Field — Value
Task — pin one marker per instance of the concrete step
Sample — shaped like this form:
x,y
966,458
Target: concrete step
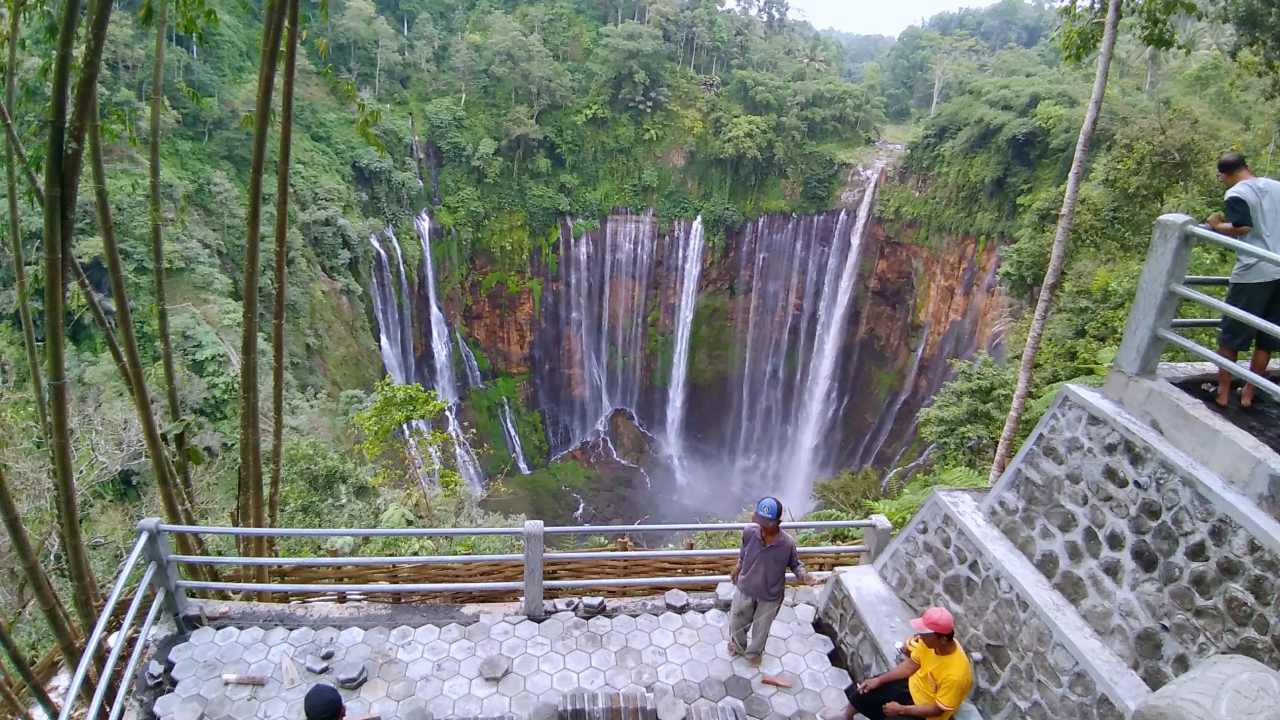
x,y
1040,658
871,621
1164,560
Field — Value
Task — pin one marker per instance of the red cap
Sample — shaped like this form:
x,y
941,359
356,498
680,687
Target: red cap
x,y
935,620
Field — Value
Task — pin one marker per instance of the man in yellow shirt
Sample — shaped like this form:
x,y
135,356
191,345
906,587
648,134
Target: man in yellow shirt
x,y
931,683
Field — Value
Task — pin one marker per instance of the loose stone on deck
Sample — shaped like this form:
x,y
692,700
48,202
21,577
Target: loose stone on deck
x,y
675,663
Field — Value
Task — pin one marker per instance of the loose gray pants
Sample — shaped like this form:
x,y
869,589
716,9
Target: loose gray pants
x,y
758,615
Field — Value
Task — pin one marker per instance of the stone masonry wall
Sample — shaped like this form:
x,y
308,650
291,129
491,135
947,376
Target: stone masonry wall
x,y
1136,537
853,636
1026,671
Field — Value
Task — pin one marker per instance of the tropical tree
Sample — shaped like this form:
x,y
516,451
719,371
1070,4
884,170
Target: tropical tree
x,y
1082,34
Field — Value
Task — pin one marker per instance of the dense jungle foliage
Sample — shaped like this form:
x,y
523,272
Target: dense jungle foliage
x,y
510,115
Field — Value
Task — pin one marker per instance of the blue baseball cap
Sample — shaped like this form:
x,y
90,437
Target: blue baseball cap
x,y
769,508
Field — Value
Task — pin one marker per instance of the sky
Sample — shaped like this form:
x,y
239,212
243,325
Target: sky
x,y
874,17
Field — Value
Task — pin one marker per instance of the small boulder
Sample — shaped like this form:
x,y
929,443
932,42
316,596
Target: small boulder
x,y
316,666
351,676
591,606
565,604
154,674
724,595
327,653
677,600
495,667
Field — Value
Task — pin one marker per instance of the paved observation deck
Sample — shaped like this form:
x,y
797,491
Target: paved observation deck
x,y
449,670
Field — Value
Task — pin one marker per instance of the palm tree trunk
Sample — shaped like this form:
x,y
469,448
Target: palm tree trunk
x,y
55,614
157,256
1058,256
85,588
15,234
250,430
19,662
156,449
10,699
281,266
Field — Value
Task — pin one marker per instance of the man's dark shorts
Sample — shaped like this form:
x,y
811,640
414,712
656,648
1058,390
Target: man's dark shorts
x,y
1261,299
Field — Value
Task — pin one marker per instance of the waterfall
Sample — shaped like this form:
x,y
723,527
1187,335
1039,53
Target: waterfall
x,y
395,343
469,363
442,355
815,413
513,437
605,284
885,425
690,268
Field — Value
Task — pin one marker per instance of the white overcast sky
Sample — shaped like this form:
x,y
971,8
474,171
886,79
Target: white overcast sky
x,y
874,17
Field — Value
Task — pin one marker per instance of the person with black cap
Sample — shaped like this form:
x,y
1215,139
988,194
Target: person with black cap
x,y
323,702
760,576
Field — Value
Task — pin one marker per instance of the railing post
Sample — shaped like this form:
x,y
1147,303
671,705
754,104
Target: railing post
x,y
1153,305
533,547
877,536
157,550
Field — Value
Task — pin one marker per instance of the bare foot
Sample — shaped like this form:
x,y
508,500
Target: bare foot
x,y
1246,397
1224,395
733,649
755,661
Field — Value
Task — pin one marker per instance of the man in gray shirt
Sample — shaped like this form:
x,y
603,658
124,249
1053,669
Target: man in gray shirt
x,y
1252,216
760,576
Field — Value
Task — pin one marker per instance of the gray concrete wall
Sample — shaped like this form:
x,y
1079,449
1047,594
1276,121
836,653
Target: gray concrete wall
x,y
1164,560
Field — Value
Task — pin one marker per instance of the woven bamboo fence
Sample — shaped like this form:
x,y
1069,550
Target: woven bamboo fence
x,y
512,571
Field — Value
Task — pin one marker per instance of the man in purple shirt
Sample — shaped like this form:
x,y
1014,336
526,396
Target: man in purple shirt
x,y
760,576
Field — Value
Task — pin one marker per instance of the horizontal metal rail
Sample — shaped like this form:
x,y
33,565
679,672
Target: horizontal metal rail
x,y
695,527
1196,323
1230,311
1212,280
340,532
100,628
390,588
469,532
1208,355
1241,247
472,559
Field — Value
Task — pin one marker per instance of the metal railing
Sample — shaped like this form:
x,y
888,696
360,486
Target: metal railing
x,y
162,580
1165,285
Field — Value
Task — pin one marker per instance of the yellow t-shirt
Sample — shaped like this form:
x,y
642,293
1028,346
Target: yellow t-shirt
x,y
944,679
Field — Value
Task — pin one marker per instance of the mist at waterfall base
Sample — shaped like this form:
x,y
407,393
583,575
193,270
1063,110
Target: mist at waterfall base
x,y
615,347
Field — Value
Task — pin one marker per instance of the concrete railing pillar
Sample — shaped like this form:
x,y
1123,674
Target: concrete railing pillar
x,y
1154,306
533,547
877,537
166,576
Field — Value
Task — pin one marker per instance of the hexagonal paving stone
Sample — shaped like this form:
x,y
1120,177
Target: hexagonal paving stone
x,y
525,664
617,677
428,687
495,706
613,640
669,673
778,647
487,647
482,688
441,706
537,682
647,623
386,707
589,642
793,663
782,630
577,661
687,636
662,638
694,620
737,686
551,628
301,636
274,709
255,651
678,654
457,686
409,651
712,634
511,685
591,679
401,689
468,706
550,663
564,681
757,706
628,657
433,650
392,670
538,646
470,667
226,635
809,701
230,653
445,668
695,670
712,689
526,630
375,688
358,652
653,656
418,669
638,639
477,631
501,631
624,624
513,647
703,652
687,691
784,704
426,634
670,621
644,676
816,660
522,704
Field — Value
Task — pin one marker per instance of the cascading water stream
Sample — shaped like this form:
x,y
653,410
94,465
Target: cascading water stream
x,y
513,438
441,351
396,345
815,413
469,363
690,269
881,432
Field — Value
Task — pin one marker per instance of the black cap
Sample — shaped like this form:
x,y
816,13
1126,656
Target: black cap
x,y
1232,162
322,703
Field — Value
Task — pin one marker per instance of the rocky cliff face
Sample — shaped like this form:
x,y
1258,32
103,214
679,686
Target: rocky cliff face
x,y
915,307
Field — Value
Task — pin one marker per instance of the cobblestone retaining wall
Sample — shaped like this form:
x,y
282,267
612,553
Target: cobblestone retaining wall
x,y
854,638
1026,671
1146,547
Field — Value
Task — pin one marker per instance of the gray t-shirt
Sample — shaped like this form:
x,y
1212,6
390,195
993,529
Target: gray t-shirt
x,y
762,569
1262,195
